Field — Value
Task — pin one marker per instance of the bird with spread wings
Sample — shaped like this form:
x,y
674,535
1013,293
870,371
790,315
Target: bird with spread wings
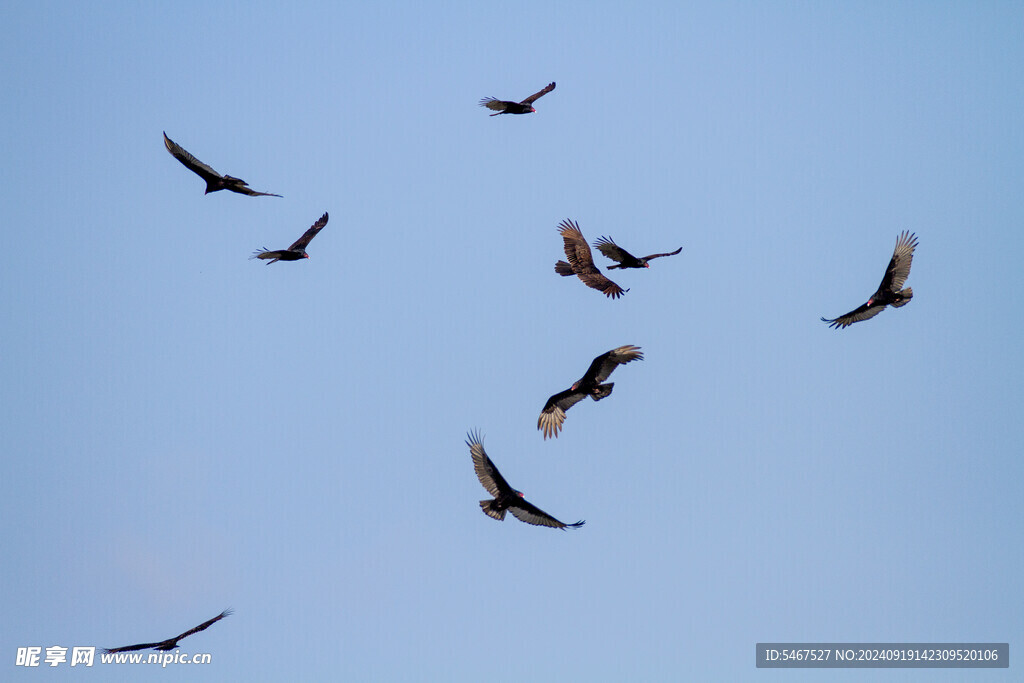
x,y
553,414
613,251
890,292
523,107
214,181
298,249
170,643
581,261
506,498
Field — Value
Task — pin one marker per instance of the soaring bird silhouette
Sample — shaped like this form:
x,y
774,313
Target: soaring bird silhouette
x,y
625,259
214,181
506,497
524,107
581,261
170,643
889,292
553,414
297,250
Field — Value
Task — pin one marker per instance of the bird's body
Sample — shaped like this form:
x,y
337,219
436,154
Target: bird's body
x,y
613,251
506,498
508,107
297,251
279,255
552,416
581,261
214,181
170,643
890,292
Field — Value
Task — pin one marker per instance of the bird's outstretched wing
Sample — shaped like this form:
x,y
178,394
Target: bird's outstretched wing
x,y
527,512
541,93
486,472
603,366
669,253
577,251
552,415
307,236
129,648
205,625
189,161
494,104
613,251
265,254
241,187
855,316
602,284
576,248
899,266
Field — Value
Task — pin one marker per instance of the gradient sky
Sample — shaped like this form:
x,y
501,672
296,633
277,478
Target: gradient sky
x,y
185,430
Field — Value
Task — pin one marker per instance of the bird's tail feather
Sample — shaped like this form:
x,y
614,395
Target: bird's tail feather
x,y
907,295
265,254
563,269
485,505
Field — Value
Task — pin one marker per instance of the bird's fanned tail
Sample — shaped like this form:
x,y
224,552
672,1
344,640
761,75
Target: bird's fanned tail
x,y
907,295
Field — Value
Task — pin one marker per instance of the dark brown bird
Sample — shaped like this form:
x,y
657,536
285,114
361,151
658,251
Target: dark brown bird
x,y
553,414
524,107
214,181
581,261
170,643
625,259
889,292
506,497
297,250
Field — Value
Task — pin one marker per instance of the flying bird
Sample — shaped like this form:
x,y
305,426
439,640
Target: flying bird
x,y
506,497
170,643
297,250
581,261
889,292
553,414
524,107
625,259
214,181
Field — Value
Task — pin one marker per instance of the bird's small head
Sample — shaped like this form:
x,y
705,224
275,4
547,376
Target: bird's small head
x,y
575,386
647,265
532,110
305,255
519,493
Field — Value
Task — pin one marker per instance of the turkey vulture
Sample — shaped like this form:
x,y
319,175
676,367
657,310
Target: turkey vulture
x,y
170,643
625,259
297,250
553,414
506,497
889,292
581,261
214,181
524,107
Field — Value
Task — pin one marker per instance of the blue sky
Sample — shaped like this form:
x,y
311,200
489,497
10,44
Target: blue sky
x,y
186,430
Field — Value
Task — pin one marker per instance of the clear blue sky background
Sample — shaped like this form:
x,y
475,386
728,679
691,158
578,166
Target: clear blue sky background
x,y
186,430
